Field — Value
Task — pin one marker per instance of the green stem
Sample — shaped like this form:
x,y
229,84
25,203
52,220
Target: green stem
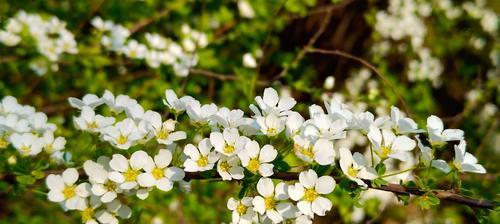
x,y
400,172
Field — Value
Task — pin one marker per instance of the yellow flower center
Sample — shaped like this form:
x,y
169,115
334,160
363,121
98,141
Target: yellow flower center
x,y
229,149
130,175
92,125
310,195
352,172
3,143
122,139
87,214
25,150
385,151
49,148
69,192
202,161
308,152
158,173
162,134
271,131
270,202
224,166
457,165
110,186
253,165
241,209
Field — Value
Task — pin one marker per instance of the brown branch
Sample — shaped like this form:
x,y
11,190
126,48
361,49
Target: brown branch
x,y
309,44
222,77
368,65
91,13
141,24
394,188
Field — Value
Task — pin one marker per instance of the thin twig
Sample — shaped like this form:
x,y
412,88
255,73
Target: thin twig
x,y
367,64
91,13
141,24
309,44
222,77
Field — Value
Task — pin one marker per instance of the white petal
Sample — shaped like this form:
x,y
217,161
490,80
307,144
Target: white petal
x,y
146,180
321,205
266,169
55,196
296,192
164,184
403,143
259,204
308,178
54,182
325,184
108,197
163,158
305,208
70,176
265,187
119,163
267,154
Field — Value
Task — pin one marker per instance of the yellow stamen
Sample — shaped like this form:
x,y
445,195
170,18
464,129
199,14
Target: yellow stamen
x,y
162,134
270,202
224,166
352,172
3,143
110,186
310,195
69,192
253,165
25,150
49,148
122,139
158,173
385,152
308,152
87,214
241,209
130,175
202,161
229,149
271,131
92,125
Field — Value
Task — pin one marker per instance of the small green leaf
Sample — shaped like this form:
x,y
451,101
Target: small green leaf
x,y
38,174
379,182
25,179
380,168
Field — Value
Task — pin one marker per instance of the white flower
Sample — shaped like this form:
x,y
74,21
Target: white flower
x,y
269,202
387,145
322,126
52,144
9,38
174,103
438,135
271,103
243,212
231,118
14,123
308,193
199,114
229,168
63,189
117,104
134,50
258,160
159,174
245,9
164,132
229,142
201,158
427,157
466,162
293,124
125,172
89,100
123,134
270,125
9,105
113,209
329,83
401,124
88,212
321,151
355,167
102,186
38,123
27,144
134,110
89,121
249,61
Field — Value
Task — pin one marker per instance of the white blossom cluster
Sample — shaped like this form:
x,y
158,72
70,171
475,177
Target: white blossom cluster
x,y
157,50
28,131
235,150
49,34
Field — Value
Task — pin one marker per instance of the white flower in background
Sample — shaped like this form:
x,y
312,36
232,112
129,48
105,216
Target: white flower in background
x,y
199,114
322,126
271,103
125,172
243,212
308,193
134,110
438,135
293,124
27,144
320,151
9,38
363,121
38,123
118,104
123,134
63,189
245,9
201,158
14,123
401,124
466,162
249,61
270,125
387,145
134,50
355,167
164,132
270,201
229,142
9,105
258,160
52,144
160,174
174,103
329,83
88,212
427,157
338,110
113,210
102,186
303,219
89,100
229,168
89,121
231,118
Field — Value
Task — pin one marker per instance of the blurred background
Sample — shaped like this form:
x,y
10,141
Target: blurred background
x,y
432,56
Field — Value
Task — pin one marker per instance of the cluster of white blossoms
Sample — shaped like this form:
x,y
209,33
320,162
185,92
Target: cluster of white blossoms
x,y
239,147
50,36
28,131
157,50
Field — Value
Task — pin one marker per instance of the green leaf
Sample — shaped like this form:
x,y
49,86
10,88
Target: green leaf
x,y
38,174
281,165
379,182
380,168
427,200
25,179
